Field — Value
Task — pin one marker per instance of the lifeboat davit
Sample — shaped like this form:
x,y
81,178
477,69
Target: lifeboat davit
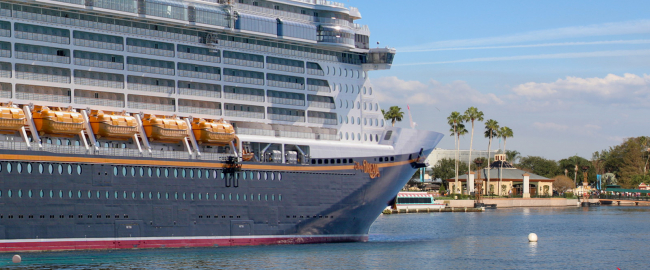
x,y
213,131
112,125
164,129
12,118
57,120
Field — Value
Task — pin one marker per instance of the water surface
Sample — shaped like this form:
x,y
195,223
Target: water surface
x,y
569,238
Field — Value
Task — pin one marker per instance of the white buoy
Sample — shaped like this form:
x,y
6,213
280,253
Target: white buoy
x,y
16,259
532,237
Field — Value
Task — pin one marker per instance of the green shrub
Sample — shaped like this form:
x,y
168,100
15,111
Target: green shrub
x,y
568,195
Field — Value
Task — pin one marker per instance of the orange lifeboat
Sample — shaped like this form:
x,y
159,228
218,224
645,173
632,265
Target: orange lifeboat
x,y
164,129
112,125
247,156
12,118
57,120
213,131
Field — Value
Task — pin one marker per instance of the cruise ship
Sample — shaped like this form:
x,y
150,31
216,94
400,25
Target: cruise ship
x,y
193,123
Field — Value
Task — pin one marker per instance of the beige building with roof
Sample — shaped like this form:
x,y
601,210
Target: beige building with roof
x,y
506,180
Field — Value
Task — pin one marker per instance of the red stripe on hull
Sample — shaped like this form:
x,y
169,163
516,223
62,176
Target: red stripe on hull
x,y
170,243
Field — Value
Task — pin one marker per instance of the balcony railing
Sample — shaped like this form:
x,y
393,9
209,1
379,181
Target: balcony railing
x,y
42,37
42,77
289,85
326,121
233,113
198,92
285,68
199,57
149,51
98,64
151,88
99,102
238,79
99,83
287,101
43,57
237,96
325,105
99,44
188,109
148,69
318,72
43,97
245,63
199,75
289,118
319,88
151,106
255,131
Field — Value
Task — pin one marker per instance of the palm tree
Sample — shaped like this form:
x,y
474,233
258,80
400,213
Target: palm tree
x,y
491,128
472,114
505,133
394,114
455,120
460,131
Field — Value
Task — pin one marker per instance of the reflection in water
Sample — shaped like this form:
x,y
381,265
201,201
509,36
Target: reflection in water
x,y
593,238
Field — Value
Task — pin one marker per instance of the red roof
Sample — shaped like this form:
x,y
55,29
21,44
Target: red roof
x,y
413,195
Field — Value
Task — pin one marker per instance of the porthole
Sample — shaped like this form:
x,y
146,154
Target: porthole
x,y
69,169
352,120
184,196
149,172
244,175
370,91
358,105
157,172
60,193
90,194
41,193
60,169
166,172
207,196
199,174
272,176
115,195
359,136
364,90
365,121
365,137
176,173
9,193
115,170
51,193
19,167
382,122
259,197
340,72
141,195
79,194
376,137
245,198
79,169
29,168
376,122
266,176
238,196
50,168
124,171
346,88
108,195
132,171
230,196
352,136
166,195
40,168
8,167
259,176
346,136
215,196
279,197
346,119
358,120
223,175
376,106
133,195
150,195
207,174
266,197
124,194
279,176
200,196
191,173
272,197
141,171
237,176
29,193
223,197
370,137
176,195
347,104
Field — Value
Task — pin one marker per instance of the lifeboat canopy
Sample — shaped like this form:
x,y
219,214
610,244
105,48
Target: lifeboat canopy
x,y
217,132
57,120
113,125
12,118
163,128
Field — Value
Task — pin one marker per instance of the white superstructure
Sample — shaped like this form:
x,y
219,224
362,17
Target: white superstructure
x,y
275,69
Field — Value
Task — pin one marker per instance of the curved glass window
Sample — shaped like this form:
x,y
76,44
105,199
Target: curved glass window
x,y
9,167
279,176
166,172
141,171
176,173
60,193
244,175
79,169
51,169
192,196
176,195
149,172
124,171
183,173
19,167
238,196
223,175
183,195
41,193
199,173
133,195
158,195
79,194
51,193
272,176
115,171
279,197
191,173
150,195
124,194
207,174
200,196
230,196
157,172
9,193
90,194
69,169
29,193
115,195
132,171
244,197
29,168
40,168
141,195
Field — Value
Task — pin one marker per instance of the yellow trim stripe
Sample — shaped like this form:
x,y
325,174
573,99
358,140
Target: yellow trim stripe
x,y
216,165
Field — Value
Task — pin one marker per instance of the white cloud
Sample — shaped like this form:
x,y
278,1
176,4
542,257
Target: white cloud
x,y
550,126
605,29
432,92
612,89
616,53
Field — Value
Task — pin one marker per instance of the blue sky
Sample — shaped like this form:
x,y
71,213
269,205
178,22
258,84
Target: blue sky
x,y
569,77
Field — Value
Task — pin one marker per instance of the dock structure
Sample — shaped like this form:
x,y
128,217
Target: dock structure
x,y
634,196
434,210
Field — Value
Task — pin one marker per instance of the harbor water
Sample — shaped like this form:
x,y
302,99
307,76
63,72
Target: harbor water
x,y
569,238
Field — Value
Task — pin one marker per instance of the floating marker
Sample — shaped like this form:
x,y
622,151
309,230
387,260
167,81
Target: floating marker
x,y
16,259
532,237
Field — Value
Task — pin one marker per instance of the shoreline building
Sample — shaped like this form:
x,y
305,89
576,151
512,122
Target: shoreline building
x,y
513,181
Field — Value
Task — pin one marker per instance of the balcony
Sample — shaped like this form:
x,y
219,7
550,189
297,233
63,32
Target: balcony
x,y
98,44
43,57
247,80
98,64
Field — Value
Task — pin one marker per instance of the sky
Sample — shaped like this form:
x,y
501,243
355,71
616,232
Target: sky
x,y
568,77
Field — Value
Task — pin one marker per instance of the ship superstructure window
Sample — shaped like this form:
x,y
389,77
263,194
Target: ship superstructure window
x,y
248,111
43,93
198,54
5,72
199,71
297,30
167,9
243,59
321,102
150,84
100,60
315,117
151,103
287,65
100,41
318,85
314,69
5,29
100,79
199,89
5,49
209,14
257,24
42,33
150,47
119,5
243,76
199,107
150,66
42,53
284,114
286,98
284,81
99,98
243,93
